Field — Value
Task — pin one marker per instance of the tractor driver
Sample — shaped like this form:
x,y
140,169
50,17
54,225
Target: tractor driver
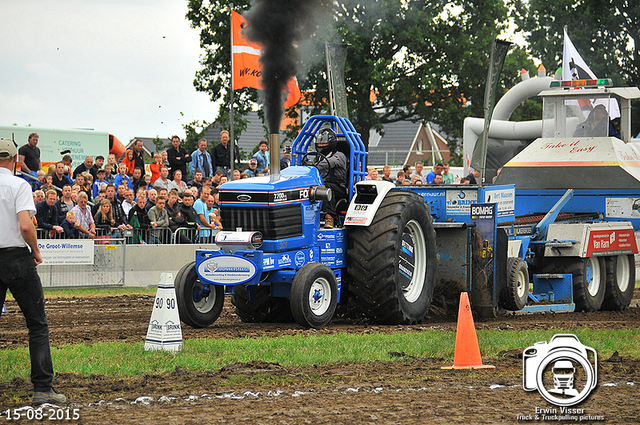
x,y
333,171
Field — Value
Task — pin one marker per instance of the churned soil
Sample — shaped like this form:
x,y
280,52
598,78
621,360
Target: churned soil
x,y
412,390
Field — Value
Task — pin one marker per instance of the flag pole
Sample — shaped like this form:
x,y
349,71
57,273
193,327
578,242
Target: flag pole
x,y
231,99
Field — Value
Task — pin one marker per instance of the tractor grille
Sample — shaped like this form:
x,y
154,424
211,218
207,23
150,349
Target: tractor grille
x,y
274,223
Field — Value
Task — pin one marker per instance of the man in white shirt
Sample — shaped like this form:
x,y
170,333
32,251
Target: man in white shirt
x,y
20,255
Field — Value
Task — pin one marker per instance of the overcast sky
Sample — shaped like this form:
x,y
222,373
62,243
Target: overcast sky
x,y
125,67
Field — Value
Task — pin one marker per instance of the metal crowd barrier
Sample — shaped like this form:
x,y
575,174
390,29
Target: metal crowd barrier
x,y
108,268
159,236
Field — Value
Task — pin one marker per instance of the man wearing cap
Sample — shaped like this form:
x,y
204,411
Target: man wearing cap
x,y
285,161
18,271
252,171
432,174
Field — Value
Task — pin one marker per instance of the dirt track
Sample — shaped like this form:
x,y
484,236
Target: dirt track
x,y
411,391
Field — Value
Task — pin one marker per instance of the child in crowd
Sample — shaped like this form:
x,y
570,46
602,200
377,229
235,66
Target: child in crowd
x,y
129,162
111,160
69,226
40,182
109,174
122,177
100,182
104,218
155,167
48,183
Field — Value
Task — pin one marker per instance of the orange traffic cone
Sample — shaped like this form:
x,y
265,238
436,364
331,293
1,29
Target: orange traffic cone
x,y
467,354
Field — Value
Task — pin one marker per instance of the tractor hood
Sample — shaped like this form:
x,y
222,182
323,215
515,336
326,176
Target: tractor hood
x,y
292,185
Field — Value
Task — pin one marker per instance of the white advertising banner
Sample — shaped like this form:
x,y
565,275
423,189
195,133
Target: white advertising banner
x,y
66,251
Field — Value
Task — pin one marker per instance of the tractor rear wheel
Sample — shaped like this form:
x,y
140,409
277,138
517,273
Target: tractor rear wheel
x,y
197,308
514,296
263,308
621,279
314,295
392,262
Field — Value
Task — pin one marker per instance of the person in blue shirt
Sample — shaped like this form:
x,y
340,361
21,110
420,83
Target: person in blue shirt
x,y
122,177
201,160
262,156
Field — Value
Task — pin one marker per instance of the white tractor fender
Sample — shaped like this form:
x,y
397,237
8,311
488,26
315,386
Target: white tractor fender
x,y
366,201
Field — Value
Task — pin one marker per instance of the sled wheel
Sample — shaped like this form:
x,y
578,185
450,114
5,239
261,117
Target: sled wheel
x,y
392,262
195,309
263,308
621,279
588,280
514,296
314,295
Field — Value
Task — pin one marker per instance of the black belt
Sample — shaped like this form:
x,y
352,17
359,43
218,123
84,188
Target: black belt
x,y
13,250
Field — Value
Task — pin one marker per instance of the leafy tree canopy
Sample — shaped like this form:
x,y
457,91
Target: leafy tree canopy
x,y
423,60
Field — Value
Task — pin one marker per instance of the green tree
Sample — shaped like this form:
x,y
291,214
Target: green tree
x,y
423,60
605,33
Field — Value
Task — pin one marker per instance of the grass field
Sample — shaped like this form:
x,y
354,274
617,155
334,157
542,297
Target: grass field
x,y
121,359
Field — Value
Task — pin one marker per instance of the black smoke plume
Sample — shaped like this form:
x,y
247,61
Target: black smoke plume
x,y
281,25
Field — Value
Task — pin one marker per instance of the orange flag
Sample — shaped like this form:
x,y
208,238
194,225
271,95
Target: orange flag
x,y
247,69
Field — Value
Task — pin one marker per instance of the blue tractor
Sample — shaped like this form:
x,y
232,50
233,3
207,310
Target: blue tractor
x,y
278,263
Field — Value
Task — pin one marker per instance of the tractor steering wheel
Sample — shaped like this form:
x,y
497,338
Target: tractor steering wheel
x,y
320,157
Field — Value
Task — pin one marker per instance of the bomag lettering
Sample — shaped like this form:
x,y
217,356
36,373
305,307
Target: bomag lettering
x,y
482,210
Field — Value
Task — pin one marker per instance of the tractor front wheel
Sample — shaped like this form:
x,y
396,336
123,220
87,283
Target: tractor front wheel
x,y
197,307
314,295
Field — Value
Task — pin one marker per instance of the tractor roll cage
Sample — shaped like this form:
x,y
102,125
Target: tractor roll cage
x,y
349,143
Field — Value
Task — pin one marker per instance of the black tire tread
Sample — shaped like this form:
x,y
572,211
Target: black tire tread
x,y
372,261
299,295
183,299
614,299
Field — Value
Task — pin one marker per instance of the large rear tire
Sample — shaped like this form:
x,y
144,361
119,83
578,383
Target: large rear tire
x,y
621,279
514,296
392,262
195,309
314,295
263,308
589,279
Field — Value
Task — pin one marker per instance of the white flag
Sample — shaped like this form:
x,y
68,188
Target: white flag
x,y
575,68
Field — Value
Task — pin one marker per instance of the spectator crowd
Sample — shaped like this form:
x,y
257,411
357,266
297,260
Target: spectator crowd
x,y
415,175
172,200
123,199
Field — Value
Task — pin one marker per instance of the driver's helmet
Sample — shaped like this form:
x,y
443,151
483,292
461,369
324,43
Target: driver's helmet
x,y
326,141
